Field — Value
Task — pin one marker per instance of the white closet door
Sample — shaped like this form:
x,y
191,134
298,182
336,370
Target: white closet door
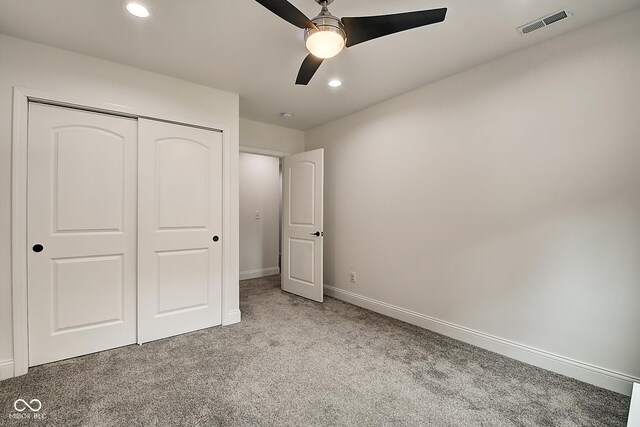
x,y
81,232
180,226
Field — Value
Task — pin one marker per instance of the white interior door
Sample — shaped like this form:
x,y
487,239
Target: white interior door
x,y
302,231
180,226
81,232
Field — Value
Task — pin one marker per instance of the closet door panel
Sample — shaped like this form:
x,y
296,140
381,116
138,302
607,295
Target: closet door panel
x,y
180,212
183,184
82,185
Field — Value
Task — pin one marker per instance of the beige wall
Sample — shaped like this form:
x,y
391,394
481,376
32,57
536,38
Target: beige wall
x,y
505,199
53,70
269,137
259,238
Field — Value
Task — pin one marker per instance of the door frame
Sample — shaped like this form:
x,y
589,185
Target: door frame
x,y
19,245
263,152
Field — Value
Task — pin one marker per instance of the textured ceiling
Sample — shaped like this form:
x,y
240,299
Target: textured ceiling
x,y
239,46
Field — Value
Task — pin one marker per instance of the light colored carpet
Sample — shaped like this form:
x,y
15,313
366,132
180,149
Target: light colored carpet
x,y
293,362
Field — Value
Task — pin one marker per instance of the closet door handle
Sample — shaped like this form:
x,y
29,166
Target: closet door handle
x,y
215,238
38,247
317,233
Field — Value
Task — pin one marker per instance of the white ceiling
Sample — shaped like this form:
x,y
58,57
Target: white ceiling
x,y
239,46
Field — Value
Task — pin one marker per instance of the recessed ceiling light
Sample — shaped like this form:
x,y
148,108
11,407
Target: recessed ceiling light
x,y
286,115
136,9
335,83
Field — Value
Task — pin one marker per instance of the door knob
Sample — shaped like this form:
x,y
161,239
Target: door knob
x,y
38,247
317,233
216,238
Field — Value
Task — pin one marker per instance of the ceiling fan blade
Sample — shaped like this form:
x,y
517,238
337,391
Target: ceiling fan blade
x,y
288,12
309,67
367,28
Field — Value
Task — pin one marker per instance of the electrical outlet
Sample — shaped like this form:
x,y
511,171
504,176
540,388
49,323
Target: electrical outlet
x,y
354,279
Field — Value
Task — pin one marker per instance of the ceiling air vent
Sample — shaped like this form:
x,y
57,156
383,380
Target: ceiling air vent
x,y
532,27
543,22
555,17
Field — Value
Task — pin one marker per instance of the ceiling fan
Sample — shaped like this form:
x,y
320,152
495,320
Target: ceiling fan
x,y
326,35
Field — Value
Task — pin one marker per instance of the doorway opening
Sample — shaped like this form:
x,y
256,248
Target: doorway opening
x,y
293,245
260,181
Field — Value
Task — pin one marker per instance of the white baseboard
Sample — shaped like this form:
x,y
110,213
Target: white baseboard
x,y
234,316
6,369
595,375
260,272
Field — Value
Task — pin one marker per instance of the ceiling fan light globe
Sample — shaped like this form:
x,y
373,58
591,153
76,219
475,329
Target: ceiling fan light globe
x,y
324,43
